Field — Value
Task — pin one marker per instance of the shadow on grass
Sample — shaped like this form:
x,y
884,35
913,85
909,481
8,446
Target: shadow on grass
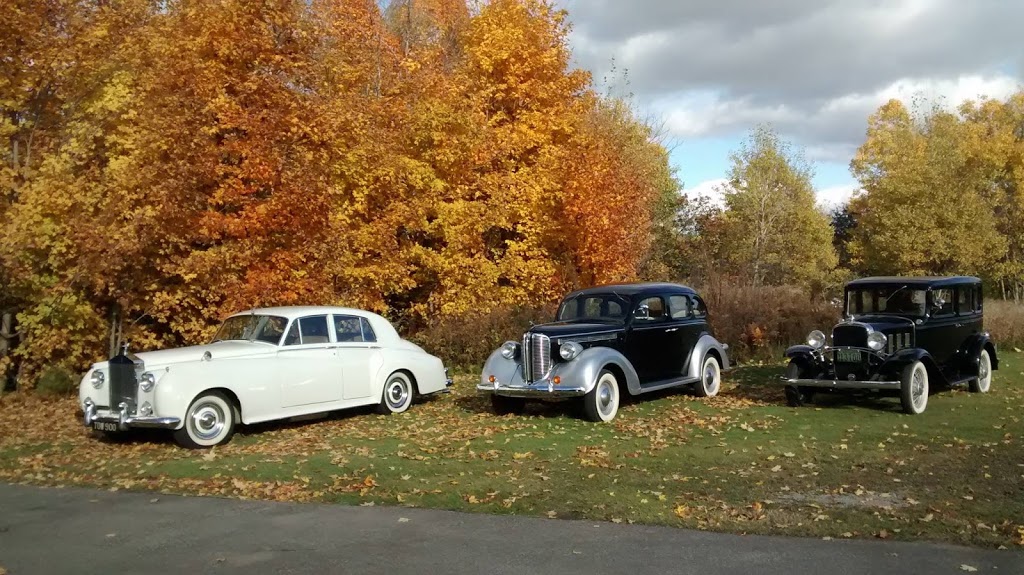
x,y
764,383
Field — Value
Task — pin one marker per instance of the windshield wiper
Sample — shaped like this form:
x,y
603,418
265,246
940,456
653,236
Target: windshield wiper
x,y
903,287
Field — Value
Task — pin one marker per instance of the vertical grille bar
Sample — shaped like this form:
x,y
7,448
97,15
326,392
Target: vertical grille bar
x,y
123,383
540,355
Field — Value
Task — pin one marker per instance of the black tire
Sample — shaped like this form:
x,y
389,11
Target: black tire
x,y
797,396
397,394
602,403
914,388
983,382
508,405
710,377
210,420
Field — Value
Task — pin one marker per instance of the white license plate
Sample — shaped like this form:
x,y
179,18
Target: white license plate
x,y
104,426
848,356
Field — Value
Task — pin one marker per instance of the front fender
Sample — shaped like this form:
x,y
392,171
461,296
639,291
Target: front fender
x,y
893,365
585,368
504,371
802,354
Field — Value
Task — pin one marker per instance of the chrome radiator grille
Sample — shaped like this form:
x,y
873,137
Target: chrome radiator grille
x,y
849,336
123,383
536,356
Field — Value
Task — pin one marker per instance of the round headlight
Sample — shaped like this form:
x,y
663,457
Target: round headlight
x,y
569,350
147,382
816,339
97,379
508,349
876,340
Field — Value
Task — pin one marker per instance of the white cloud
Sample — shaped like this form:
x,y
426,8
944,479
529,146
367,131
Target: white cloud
x,y
707,189
835,196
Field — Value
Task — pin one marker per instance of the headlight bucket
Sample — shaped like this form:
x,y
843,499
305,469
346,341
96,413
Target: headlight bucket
x,y
816,339
147,382
877,340
97,379
569,350
508,349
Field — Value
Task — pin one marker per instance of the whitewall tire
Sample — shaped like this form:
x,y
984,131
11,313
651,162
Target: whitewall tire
x,y
914,388
397,395
602,403
209,421
983,382
710,377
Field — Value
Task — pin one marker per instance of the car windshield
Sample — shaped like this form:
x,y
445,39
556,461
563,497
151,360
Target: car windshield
x,y
895,300
594,307
265,328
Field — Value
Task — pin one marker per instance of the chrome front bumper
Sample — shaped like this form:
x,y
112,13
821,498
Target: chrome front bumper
x,y
842,384
122,421
539,389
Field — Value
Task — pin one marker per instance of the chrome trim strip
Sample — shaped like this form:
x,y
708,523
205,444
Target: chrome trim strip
x,y
540,389
840,384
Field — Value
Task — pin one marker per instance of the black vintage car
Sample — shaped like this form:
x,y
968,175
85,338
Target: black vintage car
x,y
632,337
901,336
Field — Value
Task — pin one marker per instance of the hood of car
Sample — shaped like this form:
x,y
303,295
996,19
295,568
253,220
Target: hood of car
x,y
564,329
885,324
218,350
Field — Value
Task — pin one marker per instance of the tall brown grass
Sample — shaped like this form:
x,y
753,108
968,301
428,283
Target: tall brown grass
x,y
1005,321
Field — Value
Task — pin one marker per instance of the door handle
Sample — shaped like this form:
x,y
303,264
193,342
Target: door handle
x,y
671,329
959,325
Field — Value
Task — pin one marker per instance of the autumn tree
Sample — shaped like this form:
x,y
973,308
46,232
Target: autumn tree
x,y
771,231
925,210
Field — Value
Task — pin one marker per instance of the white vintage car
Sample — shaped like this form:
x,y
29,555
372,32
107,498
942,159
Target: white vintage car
x,y
263,364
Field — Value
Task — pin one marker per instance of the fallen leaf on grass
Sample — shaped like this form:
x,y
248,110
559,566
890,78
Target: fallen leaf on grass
x,y
552,514
616,520
403,519
883,534
776,469
966,567
928,517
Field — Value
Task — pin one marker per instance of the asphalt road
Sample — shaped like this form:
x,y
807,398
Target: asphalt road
x,y
83,531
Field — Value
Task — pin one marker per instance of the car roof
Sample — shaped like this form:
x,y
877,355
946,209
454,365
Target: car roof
x,y
294,311
916,281
633,289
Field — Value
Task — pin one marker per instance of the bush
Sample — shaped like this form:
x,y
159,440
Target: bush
x,y
1005,321
56,381
760,322
464,342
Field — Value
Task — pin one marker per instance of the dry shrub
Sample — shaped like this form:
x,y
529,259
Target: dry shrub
x,y
759,322
464,342
1005,321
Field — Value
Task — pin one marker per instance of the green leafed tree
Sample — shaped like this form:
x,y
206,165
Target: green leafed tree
x,y
925,209
771,231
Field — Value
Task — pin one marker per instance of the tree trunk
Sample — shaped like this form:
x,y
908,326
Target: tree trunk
x,y
6,335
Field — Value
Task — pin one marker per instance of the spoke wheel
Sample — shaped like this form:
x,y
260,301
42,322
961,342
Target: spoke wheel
x,y
914,388
797,396
602,403
984,380
209,421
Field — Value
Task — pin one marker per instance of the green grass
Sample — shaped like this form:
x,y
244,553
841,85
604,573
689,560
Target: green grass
x,y
741,462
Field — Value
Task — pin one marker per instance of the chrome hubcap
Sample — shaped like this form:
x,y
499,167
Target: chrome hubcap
x,y
605,397
710,377
983,372
207,421
397,393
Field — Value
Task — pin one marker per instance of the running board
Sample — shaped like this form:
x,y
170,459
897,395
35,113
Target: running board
x,y
665,384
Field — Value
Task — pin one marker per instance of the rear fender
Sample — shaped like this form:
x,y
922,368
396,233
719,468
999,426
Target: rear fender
x,y
972,353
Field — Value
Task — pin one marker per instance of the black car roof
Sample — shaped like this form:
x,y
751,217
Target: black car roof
x,y
916,281
629,290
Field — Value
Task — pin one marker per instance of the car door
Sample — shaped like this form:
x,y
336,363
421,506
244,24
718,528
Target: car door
x,y
307,365
357,354
684,331
649,339
938,334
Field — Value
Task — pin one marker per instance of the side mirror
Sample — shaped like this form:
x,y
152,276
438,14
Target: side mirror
x,y
938,302
642,312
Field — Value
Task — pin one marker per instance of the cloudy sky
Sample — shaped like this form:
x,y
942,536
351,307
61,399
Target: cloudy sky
x,y
815,69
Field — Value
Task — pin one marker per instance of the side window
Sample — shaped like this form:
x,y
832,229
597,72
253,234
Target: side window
x,y
368,334
655,308
945,297
699,309
313,329
965,300
679,305
978,294
347,329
